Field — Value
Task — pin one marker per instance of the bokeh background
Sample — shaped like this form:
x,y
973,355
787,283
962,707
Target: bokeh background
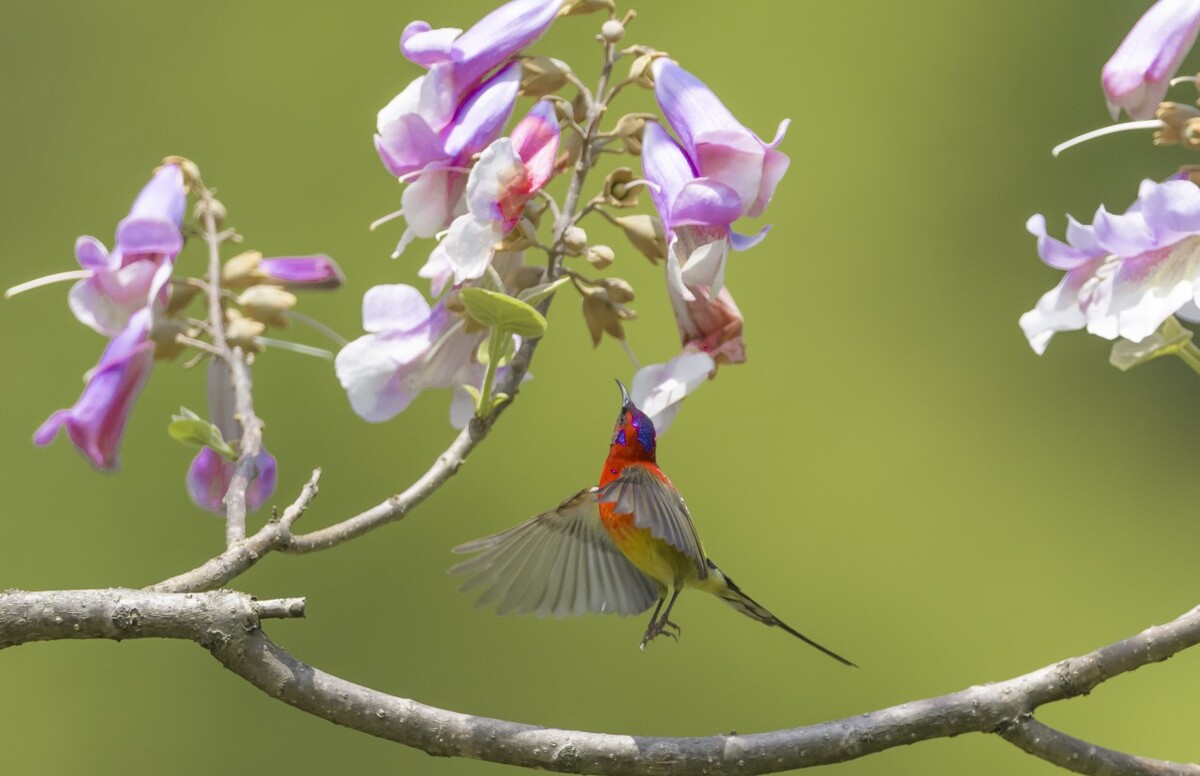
x,y
893,471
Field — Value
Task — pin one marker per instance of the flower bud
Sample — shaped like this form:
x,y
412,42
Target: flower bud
x,y
579,106
646,234
639,71
618,290
1181,125
603,315
571,146
307,272
612,31
630,129
268,304
191,172
542,75
617,191
242,332
578,7
600,256
179,296
242,271
164,335
209,207
575,240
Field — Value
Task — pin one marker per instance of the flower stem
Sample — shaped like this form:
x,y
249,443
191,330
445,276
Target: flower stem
x,y
1190,355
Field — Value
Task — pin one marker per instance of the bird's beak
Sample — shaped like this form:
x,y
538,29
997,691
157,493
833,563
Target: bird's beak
x,y
625,400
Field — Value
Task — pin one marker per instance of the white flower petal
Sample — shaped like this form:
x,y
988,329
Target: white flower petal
x,y
658,389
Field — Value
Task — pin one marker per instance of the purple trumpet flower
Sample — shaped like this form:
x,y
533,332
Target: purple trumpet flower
x,y
135,273
307,272
210,473
96,423
1125,273
1138,75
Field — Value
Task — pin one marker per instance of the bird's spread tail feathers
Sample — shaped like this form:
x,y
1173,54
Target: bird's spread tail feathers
x,y
730,593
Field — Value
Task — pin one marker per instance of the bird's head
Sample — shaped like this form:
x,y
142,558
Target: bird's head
x,y
633,436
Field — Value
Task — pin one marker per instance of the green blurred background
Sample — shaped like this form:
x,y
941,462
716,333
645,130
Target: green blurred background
x,y
894,471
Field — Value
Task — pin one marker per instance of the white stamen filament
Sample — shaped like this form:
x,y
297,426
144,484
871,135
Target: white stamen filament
x,y
315,324
1184,79
58,277
1128,126
643,182
295,347
378,222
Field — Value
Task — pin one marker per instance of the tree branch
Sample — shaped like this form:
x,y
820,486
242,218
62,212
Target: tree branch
x,y
242,555
1069,752
226,623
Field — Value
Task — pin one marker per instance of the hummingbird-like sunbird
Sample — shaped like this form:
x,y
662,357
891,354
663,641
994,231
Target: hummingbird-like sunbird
x,y
618,547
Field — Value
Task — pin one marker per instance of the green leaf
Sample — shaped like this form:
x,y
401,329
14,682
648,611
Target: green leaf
x,y
508,349
190,429
1168,339
503,313
542,291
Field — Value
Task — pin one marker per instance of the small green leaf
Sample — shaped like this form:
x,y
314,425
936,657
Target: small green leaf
x,y
1168,339
190,429
499,399
508,349
542,291
503,313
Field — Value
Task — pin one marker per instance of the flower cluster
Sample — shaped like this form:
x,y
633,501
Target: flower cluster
x,y
129,294
1128,274
715,173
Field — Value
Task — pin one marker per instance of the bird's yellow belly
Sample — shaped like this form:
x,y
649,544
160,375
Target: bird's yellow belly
x,y
653,557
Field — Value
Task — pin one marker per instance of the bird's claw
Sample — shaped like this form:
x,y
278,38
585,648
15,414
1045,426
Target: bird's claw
x,y
661,628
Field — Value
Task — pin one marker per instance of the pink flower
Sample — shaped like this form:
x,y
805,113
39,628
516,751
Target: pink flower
x,y
96,423
508,174
1138,75
135,273
431,130
719,147
1125,273
210,473
409,347
659,389
308,272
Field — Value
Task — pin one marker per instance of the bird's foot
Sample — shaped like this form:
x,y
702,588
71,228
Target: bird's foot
x,y
663,627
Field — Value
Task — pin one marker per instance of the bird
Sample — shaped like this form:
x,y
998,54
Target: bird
x,y
618,547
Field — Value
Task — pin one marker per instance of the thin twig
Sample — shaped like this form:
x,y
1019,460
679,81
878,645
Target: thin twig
x,y
227,624
237,559
1073,754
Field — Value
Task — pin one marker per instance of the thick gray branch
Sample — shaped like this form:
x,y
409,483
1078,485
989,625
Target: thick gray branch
x,y
206,618
226,623
1080,756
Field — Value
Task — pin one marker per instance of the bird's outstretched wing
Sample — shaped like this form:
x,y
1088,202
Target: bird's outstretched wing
x,y
656,505
559,563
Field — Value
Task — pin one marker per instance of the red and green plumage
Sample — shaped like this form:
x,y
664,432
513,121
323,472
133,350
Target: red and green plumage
x,y
618,547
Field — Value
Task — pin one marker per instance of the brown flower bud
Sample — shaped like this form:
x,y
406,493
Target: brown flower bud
x,y
579,108
646,234
639,70
617,191
191,173
165,335
1181,125
630,129
206,207
242,271
618,290
542,75
575,240
268,304
577,7
612,31
599,256
180,296
242,332
570,147
603,315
